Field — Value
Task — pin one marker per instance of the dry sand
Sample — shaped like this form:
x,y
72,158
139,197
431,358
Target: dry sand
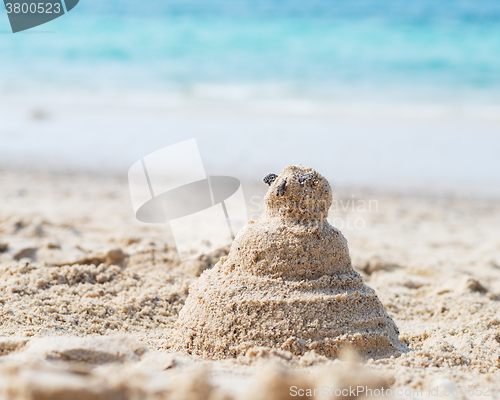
x,y
89,298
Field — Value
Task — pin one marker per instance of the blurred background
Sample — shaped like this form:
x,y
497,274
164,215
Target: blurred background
x,y
369,92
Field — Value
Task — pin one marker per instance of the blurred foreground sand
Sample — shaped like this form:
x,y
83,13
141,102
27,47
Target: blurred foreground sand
x,y
89,296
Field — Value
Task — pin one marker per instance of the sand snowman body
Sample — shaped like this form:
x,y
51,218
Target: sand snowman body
x,y
287,283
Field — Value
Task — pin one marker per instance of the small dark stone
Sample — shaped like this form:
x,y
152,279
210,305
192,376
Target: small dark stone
x,y
306,177
281,188
270,178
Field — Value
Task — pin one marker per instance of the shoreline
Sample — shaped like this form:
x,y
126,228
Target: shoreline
x,y
254,187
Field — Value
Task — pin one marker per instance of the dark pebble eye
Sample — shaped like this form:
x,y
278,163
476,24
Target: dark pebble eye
x,y
306,177
270,178
281,188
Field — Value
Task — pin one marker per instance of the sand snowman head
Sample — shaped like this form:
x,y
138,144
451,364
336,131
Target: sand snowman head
x,y
299,194
287,283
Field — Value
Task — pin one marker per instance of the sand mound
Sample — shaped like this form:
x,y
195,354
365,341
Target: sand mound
x,y
287,283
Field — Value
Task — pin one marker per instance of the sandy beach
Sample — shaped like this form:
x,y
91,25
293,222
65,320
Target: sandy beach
x,y
89,297
382,116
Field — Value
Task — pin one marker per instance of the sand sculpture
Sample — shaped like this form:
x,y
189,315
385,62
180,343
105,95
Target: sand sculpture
x,y
287,283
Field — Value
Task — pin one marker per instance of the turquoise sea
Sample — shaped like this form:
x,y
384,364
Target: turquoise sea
x,y
359,50
367,91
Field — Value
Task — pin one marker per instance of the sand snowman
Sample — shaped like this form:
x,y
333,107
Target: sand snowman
x,y
287,283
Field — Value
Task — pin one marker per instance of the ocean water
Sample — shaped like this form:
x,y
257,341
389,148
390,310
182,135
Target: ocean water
x,y
375,51
114,77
